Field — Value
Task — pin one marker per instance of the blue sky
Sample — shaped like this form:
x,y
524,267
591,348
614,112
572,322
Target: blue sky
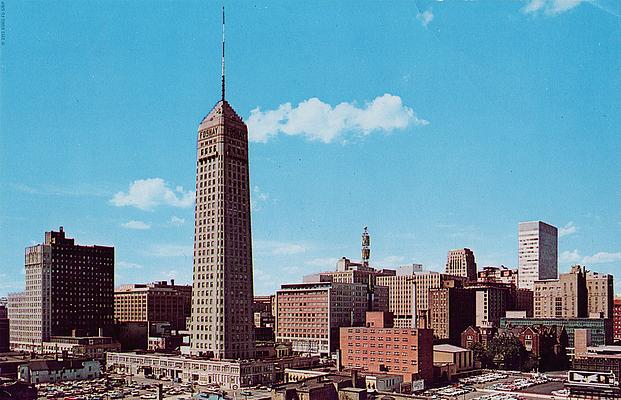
x,y
436,124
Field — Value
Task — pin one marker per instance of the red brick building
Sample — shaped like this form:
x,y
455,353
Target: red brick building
x,y
380,348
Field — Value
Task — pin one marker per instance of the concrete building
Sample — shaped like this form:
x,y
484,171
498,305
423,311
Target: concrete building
x,y
460,262
308,315
408,293
222,294
461,358
385,349
565,297
58,371
600,289
451,309
537,253
153,302
229,374
617,319
69,291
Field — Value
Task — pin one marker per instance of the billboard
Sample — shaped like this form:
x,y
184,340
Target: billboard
x,y
591,378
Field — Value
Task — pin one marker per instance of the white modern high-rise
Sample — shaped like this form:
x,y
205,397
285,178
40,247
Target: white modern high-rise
x,y
537,253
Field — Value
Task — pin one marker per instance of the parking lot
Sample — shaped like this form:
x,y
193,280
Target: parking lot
x,y
500,386
137,388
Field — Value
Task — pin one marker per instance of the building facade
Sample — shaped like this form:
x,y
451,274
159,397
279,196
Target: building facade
x,y
153,302
308,315
408,293
460,262
384,349
537,253
600,290
565,297
451,310
69,290
222,293
229,374
57,371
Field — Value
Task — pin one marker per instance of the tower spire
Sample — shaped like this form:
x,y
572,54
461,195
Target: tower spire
x,y
222,53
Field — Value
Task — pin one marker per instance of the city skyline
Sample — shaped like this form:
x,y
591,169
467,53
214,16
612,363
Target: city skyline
x,y
393,158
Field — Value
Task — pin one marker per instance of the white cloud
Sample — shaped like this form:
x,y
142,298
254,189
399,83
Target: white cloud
x,y
328,262
277,248
170,250
146,194
317,120
570,256
602,257
425,17
140,225
128,265
551,7
176,221
568,229
257,198
390,261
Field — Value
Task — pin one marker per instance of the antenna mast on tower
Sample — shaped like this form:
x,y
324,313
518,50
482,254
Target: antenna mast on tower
x,y
222,53
366,247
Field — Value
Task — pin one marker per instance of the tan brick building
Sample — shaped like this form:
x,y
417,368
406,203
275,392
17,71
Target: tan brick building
x,y
565,297
222,323
600,289
153,302
460,262
408,293
308,315
451,310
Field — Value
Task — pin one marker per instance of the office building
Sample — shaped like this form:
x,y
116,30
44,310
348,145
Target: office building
x,y
408,293
460,262
451,310
565,297
153,302
380,348
222,293
537,253
600,289
308,315
69,292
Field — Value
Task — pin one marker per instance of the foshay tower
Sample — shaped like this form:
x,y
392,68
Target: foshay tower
x,y
222,323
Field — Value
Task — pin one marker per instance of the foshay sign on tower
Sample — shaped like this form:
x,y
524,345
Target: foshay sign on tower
x,y
222,324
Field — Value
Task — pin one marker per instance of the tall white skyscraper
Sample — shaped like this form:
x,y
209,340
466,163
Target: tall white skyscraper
x,y
537,253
